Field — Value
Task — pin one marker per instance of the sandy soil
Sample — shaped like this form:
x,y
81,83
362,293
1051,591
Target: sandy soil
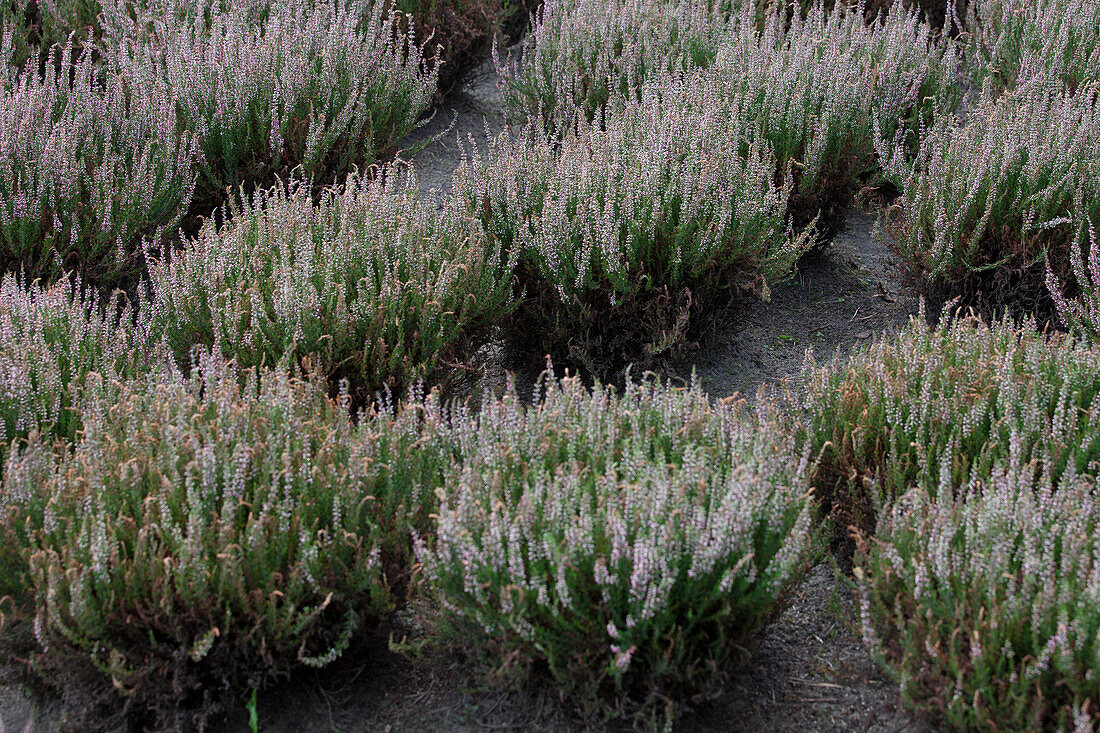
x,y
808,671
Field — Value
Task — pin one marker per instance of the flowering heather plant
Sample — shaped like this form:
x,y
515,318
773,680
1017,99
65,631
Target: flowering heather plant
x,y
985,607
1011,41
826,87
626,233
1081,314
50,340
580,55
203,537
15,41
90,176
629,544
816,85
936,407
984,200
313,87
373,283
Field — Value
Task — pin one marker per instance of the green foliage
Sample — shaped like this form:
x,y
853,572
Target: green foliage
x,y
937,407
371,283
1080,314
1010,41
90,176
984,606
987,198
627,544
821,87
52,339
625,233
317,86
202,537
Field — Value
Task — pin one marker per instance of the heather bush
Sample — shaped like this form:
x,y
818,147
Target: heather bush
x,y
829,88
317,86
208,535
50,340
625,234
1080,314
818,86
15,41
984,200
936,407
373,284
90,176
627,544
984,607
1010,41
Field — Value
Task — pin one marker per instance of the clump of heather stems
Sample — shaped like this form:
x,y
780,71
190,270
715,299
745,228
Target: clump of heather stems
x,y
50,340
984,606
319,86
936,407
1011,41
984,200
822,84
1081,314
203,537
628,543
90,175
580,55
626,232
371,284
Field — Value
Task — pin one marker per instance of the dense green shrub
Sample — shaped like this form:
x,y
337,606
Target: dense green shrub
x,y
626,233
628,544
318,86
583,55
936,407
987,197
15,40
205,536
819,87
372,284
50,340
89,175
985,607
1013,40
1080,314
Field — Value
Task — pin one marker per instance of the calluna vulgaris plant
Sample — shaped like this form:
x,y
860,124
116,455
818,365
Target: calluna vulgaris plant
x,y
985,606
314,87
581,55
629,544
205,536
820,86
372,283
625,233
1081,314
1010,41
90,176
986,198
826,88
50,340
936,407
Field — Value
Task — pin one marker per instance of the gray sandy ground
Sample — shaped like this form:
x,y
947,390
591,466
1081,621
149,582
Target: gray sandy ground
x,y
807,672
